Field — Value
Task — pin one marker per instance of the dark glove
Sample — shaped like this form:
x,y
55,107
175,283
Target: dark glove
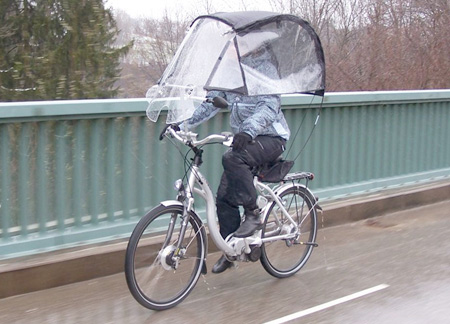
x,y
240,141
175,127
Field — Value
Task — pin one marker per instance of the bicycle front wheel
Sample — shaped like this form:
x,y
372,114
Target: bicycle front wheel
x,y
283,258
159,275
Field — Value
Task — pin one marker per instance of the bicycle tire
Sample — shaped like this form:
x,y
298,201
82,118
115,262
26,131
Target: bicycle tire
x,y
283,258
151,278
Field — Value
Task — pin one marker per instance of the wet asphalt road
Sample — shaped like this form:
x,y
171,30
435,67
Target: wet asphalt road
x,y
407,252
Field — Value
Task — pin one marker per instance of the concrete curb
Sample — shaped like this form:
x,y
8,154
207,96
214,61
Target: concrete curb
x,y
360,207
53,269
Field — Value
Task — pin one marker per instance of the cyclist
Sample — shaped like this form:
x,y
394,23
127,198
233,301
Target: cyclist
x,y
260,134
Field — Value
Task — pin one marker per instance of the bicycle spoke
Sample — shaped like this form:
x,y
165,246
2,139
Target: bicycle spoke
x,y
283,258
194,236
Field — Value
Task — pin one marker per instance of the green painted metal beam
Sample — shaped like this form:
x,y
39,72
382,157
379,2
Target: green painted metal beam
x,y
86,170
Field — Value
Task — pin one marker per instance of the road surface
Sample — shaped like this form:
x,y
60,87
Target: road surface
x,y
389,269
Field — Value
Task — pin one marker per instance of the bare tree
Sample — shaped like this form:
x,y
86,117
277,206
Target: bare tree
x,y
404,45
383,44
155,43
368,44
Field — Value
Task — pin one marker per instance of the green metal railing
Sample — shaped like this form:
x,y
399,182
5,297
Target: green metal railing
x,y
73,172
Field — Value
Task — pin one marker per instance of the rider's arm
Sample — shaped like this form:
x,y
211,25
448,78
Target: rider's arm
x,y
267,112
202,113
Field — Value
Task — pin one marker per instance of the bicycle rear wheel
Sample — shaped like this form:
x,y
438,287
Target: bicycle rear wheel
x,y
283,258
156,279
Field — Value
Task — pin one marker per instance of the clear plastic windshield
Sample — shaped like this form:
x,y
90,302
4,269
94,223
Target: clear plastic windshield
x,y
181,87
278,57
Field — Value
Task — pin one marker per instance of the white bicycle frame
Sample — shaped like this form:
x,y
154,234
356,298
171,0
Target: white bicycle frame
x,y
197,184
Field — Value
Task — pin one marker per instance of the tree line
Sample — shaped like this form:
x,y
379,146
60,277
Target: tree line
x,y
58,49
63,49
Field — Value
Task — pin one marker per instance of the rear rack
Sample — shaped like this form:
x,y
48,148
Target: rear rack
x,y
298,175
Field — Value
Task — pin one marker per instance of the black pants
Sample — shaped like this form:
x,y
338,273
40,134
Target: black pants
x,y
236,185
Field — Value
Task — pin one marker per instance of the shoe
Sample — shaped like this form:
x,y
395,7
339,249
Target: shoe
x,y
221,265
250,224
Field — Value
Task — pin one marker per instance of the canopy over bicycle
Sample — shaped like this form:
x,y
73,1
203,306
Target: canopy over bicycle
x,y
249,53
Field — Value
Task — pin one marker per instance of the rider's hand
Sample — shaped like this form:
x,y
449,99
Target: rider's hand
x,y
240,141
175,127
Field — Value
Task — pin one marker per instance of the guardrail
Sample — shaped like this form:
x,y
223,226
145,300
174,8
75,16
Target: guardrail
x,y
73,172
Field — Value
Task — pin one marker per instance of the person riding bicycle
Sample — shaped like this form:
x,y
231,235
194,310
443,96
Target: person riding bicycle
x,y
260,134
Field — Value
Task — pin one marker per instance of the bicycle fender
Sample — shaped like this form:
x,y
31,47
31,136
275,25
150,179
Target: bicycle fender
x,y
307,190
167,203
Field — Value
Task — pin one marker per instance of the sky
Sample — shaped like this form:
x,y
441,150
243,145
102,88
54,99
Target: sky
x,y
156,8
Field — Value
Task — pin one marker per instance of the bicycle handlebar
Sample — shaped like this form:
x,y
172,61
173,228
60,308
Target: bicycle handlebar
x,y
190,139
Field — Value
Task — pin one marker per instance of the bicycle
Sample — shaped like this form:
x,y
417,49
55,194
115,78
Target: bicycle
x,y
164,260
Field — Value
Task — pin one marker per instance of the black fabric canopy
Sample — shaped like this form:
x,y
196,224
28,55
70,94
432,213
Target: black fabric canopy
x,y
248,20
241,20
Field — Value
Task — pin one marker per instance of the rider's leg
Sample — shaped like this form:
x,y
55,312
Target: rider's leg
x,y
229,220
236,188
238,171
227,212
